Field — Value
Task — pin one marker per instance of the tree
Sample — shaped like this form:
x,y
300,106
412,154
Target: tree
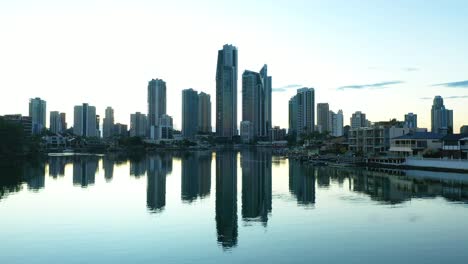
x,y
12,141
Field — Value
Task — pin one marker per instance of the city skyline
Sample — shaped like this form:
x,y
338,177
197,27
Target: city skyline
x,y
345,69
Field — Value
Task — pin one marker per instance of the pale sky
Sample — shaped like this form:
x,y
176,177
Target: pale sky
x,y
105,52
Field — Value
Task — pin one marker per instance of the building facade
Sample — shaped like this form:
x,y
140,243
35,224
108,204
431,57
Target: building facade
x,y
411,120
189,113
441,118
305,100
358,119
336,123
55,122
84,121
156,103
37,111
292,129
247,132
204,113
226,92
323,117
108,125
138,125
165,127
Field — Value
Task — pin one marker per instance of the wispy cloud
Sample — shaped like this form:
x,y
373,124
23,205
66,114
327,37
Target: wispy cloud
x,y
461,84
370,86
284,88
447,97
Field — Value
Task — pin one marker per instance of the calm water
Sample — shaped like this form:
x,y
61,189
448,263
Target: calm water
x,y
227,207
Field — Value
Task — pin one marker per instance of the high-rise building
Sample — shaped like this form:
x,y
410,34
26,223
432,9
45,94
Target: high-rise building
x,y
120,130
189,113
138,125
226,92
204,113
256,101
323,119
358,119
98,126
63,120
108,126
84,121
156,103
37,111
165,127
441,118
55,122
292,116
305,100
247,132
336,123
411,120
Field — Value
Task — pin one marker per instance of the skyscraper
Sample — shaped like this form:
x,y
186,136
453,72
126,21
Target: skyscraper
x,y
189,113
156,103
226,92
305,100
55,122
358,119
138,125
108,126
256,101
63,120
337,130
323,117
37,111
441,118
293,116
204,113
411,120
84,121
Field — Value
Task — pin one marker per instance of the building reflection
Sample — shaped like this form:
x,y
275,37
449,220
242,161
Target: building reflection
x,y
158,166
34,176
84,170
256,185
196,175
138,166
57,165
302,182
108,166
226,198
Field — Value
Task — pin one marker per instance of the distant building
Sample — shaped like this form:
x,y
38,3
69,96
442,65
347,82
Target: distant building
x,y
56,122
204,113
24,121
336,123
156,103
84,121
120,130
411,120
414,144
323,110
138,125
226,92
37,111
98,126
108,125
293,116
304,103
256,101
441,118
464,130
277,134
189,113
358,119
165,127
247,132
63,120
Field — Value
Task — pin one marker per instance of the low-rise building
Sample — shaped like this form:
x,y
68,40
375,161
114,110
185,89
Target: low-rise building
x,y
455,146
277,133
373,140
24,121
414,144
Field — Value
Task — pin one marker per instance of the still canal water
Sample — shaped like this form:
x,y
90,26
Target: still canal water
x,y
227,207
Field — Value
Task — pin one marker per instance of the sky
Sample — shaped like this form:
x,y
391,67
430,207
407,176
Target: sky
x,y
385,58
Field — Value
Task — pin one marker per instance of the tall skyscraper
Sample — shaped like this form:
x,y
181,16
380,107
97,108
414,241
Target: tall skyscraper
x,y
293,116
138,125
108,126
323,110
63,120
84,121
305,100
226,92
204,113
189,113
336,123
55,122
256,101
156,103
37,111
411,120
358,119
441,118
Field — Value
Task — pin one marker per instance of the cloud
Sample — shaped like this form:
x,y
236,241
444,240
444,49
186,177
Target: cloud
x,y
410,69
461,84
369,86
284,88
447,97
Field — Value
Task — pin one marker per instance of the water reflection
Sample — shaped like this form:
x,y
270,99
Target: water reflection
x,y
138,166
57,165
108,166
84,170
256,185
158,168
302,182
196,175
226,198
